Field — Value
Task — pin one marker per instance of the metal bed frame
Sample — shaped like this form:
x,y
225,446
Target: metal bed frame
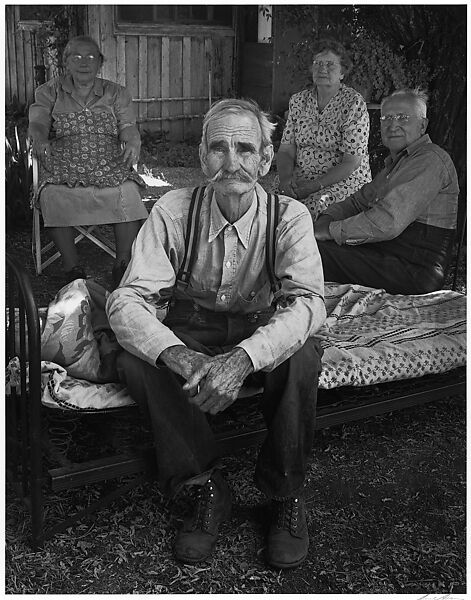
x,y
53,450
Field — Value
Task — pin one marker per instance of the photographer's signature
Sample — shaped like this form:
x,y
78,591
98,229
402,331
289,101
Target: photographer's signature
x,y
438,597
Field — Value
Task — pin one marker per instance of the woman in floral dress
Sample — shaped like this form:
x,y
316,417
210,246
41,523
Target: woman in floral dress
x,y
323,156
84,134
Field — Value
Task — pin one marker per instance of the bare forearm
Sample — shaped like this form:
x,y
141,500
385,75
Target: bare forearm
x,y
131,139
304,187
130,134
340,172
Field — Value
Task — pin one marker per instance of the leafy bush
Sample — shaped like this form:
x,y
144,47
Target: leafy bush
x,y
379,70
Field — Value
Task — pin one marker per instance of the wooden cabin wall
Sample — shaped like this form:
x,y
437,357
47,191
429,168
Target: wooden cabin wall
x,y
166,65
20,58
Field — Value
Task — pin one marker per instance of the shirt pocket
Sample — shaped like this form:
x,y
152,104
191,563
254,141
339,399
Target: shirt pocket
x,y
256,296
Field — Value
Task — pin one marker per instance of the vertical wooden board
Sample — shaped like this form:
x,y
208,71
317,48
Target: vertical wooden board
x,y
176,87
217,67
93,19
121,59
20,66
11,66
142,70
132,55
209,68
8,36
228,66
107,41
154,69
28,65
165,82
186,76
199,82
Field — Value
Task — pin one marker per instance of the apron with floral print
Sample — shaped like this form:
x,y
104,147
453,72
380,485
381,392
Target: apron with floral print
x,y
86,151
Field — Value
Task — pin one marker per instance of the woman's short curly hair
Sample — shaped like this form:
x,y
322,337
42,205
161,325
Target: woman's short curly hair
x,y
77,40
325,44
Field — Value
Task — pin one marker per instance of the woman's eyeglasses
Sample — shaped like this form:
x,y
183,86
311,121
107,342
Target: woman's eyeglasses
x,y
400,118
76,58
329,65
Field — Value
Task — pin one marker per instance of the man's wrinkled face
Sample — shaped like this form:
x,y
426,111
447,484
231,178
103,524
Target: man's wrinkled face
x,y
402,125
233,160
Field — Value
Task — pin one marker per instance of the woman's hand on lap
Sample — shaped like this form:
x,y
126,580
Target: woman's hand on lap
x,y
131,151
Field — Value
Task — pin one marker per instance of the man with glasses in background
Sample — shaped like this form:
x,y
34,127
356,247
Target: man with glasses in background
x,y
396,232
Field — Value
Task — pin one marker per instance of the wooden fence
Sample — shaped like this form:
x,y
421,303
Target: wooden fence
x,y
173,73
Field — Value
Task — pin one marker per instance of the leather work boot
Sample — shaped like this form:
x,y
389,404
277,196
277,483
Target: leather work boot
x,y
288,537
196,539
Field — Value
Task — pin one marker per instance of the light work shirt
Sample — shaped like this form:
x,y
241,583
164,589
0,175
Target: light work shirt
x,y
229,275
421,186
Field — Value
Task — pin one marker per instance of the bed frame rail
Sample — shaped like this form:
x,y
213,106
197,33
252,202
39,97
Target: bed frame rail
x,y
49,451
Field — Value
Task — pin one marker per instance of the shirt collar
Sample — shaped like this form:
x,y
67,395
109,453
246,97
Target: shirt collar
x,y
243,226
424,139
68,85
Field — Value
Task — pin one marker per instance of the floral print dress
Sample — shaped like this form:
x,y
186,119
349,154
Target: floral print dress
x,y
321,139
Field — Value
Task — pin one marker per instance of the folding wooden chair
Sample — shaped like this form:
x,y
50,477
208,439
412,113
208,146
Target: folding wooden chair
x,y
90,232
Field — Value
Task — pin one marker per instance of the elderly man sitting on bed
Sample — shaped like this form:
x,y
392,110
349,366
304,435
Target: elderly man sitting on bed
x,y
396,232
221,327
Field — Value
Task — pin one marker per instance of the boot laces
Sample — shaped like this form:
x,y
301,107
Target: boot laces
x,y
204,506
288,513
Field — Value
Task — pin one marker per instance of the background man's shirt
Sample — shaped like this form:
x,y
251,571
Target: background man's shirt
x,y
420,185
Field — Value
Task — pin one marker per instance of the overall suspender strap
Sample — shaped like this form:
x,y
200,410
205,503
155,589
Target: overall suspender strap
x,y
192,230
273,212
191,238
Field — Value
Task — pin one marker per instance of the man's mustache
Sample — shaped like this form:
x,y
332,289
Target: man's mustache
x,y
237,176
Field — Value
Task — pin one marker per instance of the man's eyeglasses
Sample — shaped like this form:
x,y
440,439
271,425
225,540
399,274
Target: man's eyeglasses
x,y
79,57
329,65
400,118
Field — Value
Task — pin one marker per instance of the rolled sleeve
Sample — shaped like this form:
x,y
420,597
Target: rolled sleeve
x,y
41,110
124,109
388,217
285,333
298,267
135,309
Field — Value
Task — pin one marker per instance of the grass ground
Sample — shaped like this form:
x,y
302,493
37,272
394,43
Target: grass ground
x,y
386,514
386,507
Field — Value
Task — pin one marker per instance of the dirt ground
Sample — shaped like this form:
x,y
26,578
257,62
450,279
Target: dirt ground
x,y
386,503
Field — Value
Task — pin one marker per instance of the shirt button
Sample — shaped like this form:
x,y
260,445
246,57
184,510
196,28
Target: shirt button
x,y
229,228
252,294
228,264
223,297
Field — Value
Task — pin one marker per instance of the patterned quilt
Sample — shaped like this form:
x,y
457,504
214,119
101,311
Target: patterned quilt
x,y
369,337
